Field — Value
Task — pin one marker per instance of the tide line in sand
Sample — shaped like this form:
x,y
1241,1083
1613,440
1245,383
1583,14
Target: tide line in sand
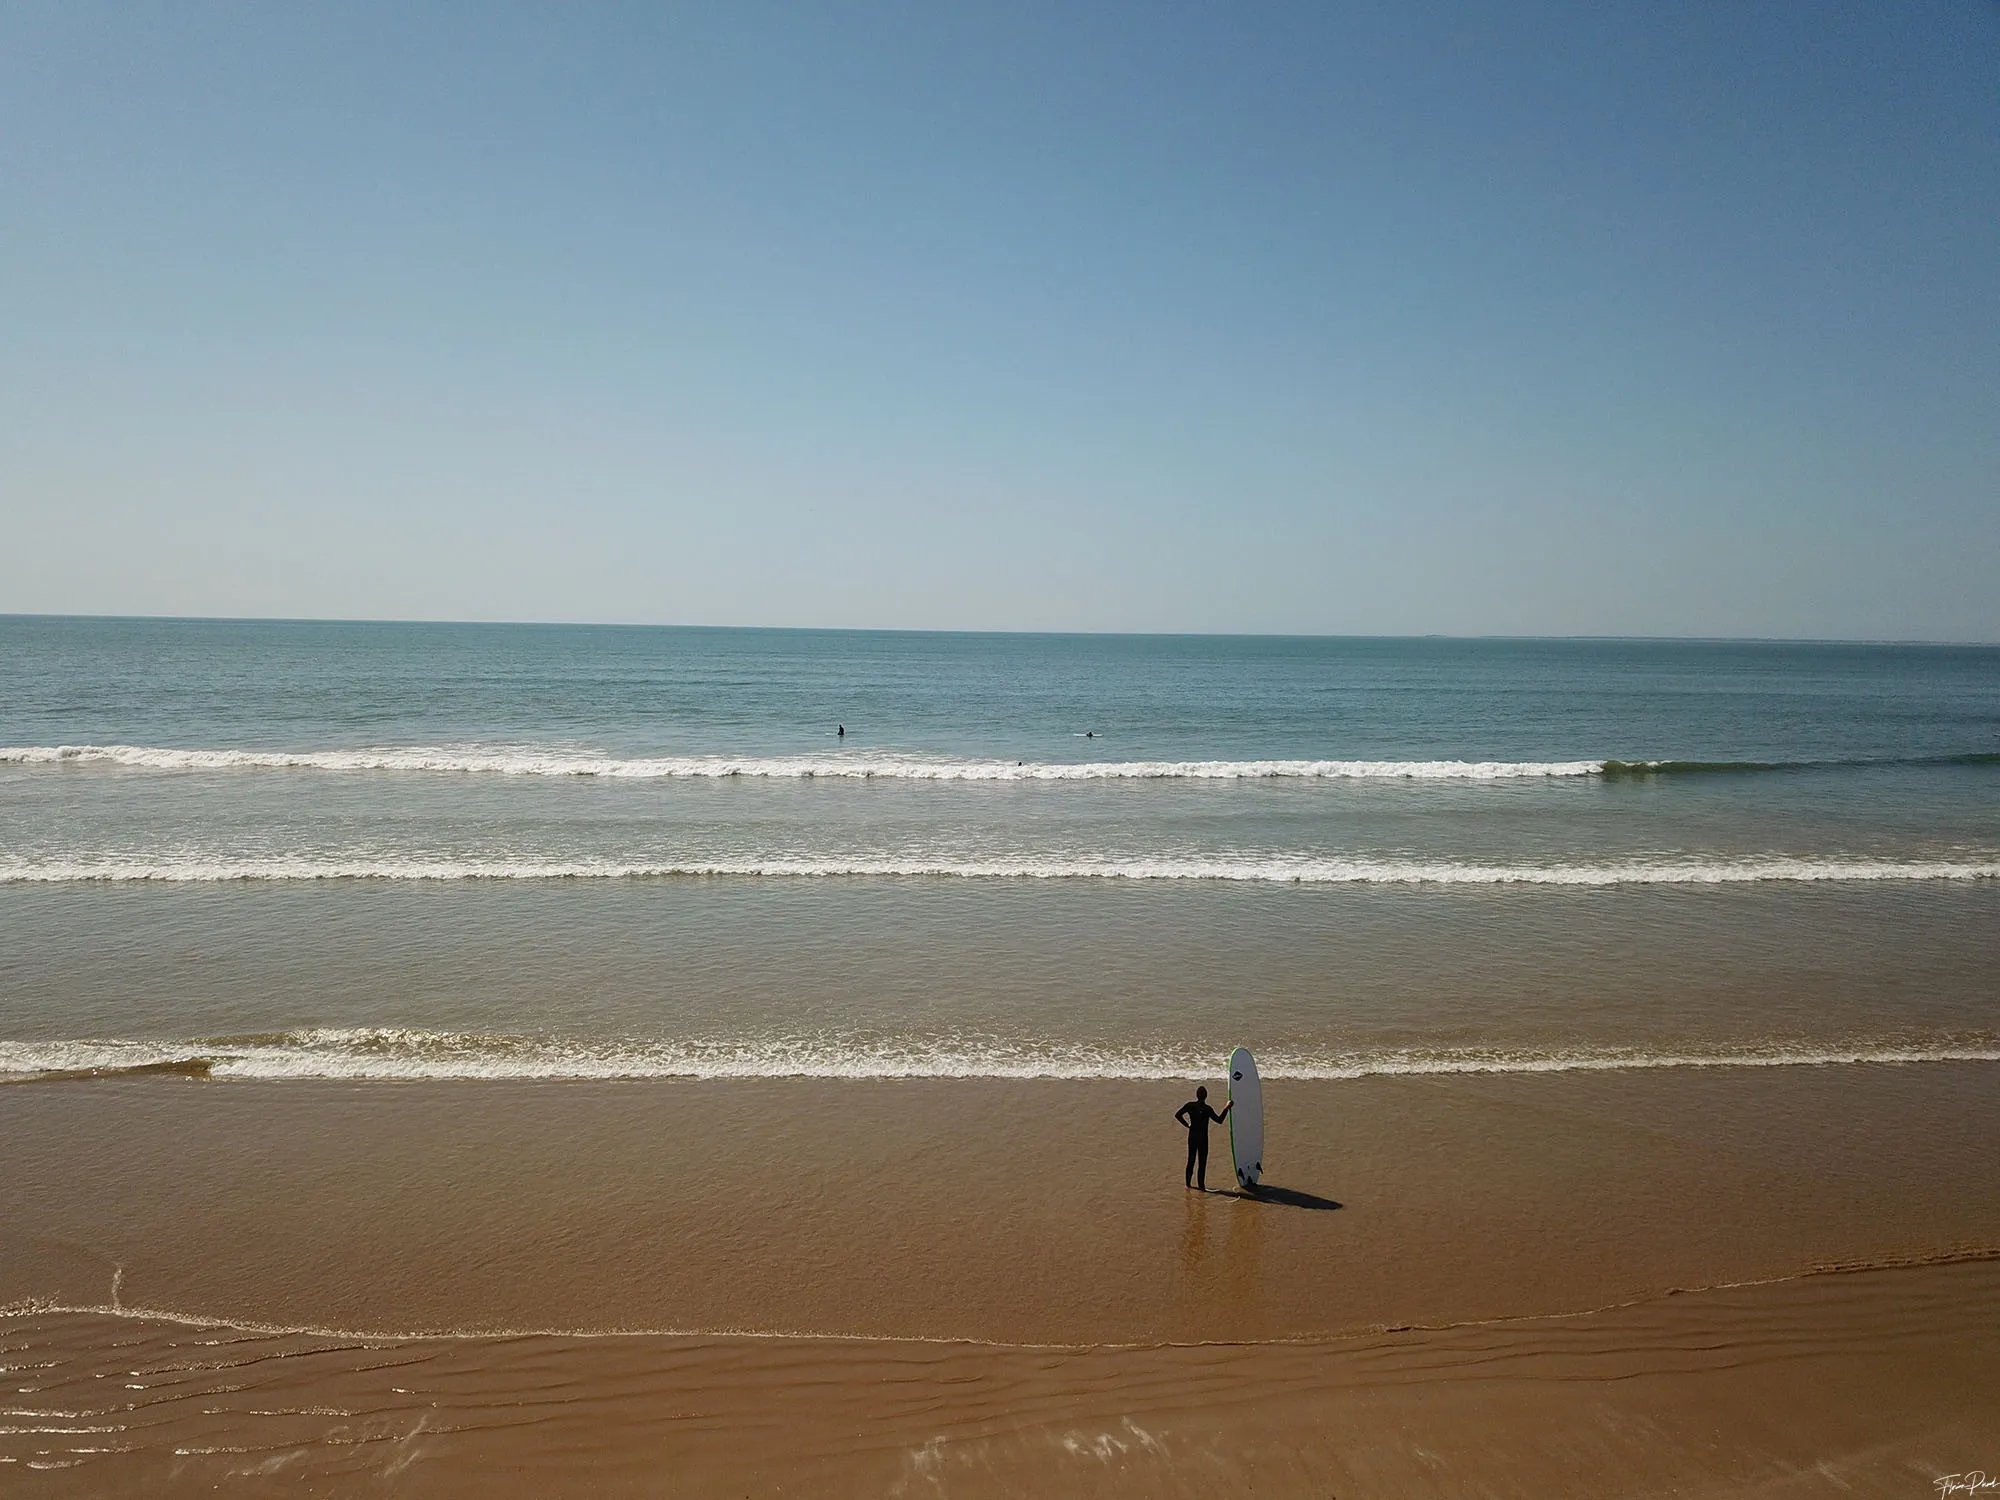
x,y
118,1308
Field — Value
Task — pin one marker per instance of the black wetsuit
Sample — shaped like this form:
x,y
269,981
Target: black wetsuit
x,y
1196,1115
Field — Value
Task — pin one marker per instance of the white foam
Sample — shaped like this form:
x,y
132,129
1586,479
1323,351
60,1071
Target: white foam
x,y
386,1054
1273,870
858,765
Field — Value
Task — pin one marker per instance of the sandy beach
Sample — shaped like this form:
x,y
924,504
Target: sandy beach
x,y
1767,1281
670,675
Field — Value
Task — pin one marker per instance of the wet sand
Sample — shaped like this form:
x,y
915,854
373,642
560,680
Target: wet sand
x,y
1477,1285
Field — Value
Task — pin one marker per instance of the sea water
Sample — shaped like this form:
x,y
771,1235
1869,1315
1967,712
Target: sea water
x,y
292,849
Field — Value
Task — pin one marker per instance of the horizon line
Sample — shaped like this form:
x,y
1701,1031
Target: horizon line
x,y
1267,635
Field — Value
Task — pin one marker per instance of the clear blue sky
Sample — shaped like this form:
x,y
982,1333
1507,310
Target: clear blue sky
x,y
1526,318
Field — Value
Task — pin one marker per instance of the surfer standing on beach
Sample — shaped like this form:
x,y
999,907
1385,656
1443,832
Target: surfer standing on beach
x,y
1196,1115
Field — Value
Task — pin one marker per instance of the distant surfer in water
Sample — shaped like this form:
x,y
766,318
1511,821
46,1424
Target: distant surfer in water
x,y
840,733
1196,1115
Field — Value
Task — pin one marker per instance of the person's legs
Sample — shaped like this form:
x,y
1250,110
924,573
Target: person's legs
x,y
1201,1170
1190,1170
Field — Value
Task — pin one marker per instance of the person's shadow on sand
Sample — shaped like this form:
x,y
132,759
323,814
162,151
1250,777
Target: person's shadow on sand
x,y
1266,1192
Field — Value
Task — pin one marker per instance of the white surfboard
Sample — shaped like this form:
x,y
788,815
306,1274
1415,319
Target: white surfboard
x,y
1246,1117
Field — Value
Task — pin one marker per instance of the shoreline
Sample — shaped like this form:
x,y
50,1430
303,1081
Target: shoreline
x,y
377,1055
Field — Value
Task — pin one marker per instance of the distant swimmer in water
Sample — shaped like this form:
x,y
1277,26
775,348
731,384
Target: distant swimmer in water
x,y
841,732
1196,1115
1090,734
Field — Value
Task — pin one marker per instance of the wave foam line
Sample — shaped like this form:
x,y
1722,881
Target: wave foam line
x,y
390,1053
860,766
1274,871
868,766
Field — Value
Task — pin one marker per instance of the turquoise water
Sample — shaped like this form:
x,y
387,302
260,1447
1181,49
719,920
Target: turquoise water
x,y
366,849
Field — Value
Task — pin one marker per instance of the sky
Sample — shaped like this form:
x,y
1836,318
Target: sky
x,y
1595,318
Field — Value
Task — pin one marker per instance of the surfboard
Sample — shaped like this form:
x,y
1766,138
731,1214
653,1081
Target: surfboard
x,y
1246,1117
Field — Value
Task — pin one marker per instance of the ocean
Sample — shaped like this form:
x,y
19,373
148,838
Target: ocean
x,y
358,851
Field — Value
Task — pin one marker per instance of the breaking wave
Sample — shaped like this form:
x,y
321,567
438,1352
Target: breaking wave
x,y
1633,769
856,766
1274,870
386,1053
888,766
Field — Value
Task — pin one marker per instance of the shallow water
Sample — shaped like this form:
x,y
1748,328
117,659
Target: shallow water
x,y
289,849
